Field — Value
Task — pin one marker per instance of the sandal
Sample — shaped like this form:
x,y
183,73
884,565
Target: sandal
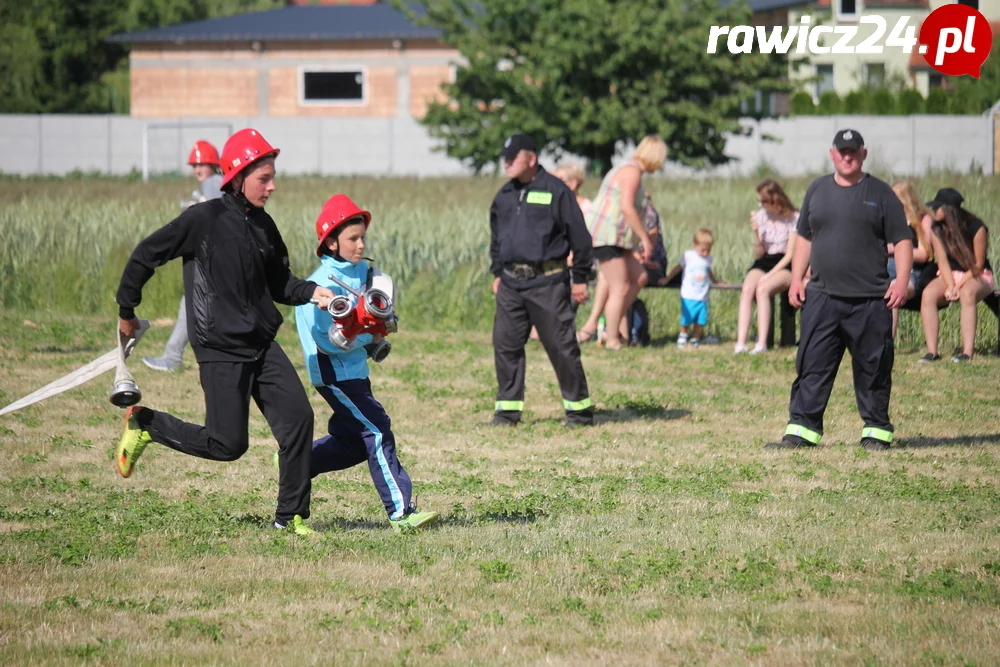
x,y
585,336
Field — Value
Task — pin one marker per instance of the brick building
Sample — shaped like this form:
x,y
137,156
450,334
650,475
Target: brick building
x,y
359,59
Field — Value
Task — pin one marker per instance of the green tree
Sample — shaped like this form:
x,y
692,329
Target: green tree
x,y
857,102
21,63
830,104
582,75
55,56
910,102
882,102
937,101
978,95
802,104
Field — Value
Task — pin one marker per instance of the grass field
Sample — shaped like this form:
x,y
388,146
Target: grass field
x,y
665,534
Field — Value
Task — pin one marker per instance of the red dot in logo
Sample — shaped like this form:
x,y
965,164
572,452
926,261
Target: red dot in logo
x,y
956,39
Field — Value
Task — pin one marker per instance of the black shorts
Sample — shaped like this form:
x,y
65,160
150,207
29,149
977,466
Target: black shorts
x,y
767,263
603,253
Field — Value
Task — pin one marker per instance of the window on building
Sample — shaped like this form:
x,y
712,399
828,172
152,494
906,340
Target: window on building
x,y
824,80
970,3
847,8
875,75
319,86
935,81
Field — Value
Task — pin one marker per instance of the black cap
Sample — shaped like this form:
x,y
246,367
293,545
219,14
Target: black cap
x,y
517,143
946,197
848,139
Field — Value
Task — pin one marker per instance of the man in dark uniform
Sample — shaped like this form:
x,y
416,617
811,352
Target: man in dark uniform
x,y
846,221
534,223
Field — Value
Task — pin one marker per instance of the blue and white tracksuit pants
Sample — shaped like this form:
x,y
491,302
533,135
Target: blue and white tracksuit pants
x,y
359,431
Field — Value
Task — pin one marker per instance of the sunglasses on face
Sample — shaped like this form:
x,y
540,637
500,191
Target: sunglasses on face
x,y
763,202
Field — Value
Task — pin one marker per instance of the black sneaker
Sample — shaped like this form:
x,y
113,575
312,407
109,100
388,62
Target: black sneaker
x,y
961,358
928,358
500,421
787,443
873,445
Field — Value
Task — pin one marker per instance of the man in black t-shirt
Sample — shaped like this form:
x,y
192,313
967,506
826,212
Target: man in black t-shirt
x,y
846,221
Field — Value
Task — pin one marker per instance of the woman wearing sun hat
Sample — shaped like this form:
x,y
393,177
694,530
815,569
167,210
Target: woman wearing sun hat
x,y
961,242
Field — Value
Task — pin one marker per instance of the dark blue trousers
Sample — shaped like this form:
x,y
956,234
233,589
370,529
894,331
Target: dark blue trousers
x,y
359,431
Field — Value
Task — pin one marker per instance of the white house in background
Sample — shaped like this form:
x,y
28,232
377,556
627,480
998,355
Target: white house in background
x,y
843,73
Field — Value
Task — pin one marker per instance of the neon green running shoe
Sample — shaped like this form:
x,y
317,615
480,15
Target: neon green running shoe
x,y
299,527
132,444
414,521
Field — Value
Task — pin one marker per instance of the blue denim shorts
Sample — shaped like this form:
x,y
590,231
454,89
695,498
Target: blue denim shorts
x,y
892,272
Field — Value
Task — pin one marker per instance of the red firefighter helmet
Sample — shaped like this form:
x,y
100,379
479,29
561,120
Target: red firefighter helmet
x,y
337,210
243,149
203,153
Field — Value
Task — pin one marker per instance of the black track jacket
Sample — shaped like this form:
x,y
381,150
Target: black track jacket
x,y
235,268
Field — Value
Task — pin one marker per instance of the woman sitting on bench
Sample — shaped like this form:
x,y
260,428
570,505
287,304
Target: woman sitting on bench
x,y
960,241
773,227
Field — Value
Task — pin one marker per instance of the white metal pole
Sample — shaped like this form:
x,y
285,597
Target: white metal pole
x,y
145,152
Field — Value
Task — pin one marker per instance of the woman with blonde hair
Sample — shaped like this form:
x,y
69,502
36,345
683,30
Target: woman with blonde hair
x,y
616,226
919,219
572,175
773,229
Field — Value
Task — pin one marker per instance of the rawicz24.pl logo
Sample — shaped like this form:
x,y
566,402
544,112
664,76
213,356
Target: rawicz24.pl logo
x,y
954,39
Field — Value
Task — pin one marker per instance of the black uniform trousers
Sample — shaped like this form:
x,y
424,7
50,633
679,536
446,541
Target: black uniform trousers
x,y
547,307
829,326
274,385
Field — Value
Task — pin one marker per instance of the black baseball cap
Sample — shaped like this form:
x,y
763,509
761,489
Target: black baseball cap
x,y
516,143
848,139
946,197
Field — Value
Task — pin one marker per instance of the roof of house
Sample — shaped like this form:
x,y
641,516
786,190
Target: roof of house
x,y
292,23
771,5
318,23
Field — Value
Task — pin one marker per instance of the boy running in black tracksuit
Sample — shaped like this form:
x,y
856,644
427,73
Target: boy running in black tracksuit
x,y
235,268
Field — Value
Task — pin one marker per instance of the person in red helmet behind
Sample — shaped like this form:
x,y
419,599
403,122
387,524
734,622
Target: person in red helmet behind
x,y
235,269
204,159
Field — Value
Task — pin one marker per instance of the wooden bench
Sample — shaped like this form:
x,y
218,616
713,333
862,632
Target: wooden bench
x,y
785,311
992,302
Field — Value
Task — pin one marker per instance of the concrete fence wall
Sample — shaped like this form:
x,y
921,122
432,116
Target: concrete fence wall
x,y
60,144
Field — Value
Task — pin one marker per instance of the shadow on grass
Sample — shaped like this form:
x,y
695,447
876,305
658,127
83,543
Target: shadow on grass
x,y
345,525
957,441
670,340
628,413
60,349
350,524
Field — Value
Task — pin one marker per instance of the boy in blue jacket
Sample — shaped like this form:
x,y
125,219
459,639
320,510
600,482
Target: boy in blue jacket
x,y
359,429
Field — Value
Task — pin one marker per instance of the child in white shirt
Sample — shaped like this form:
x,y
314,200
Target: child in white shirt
x,y
695,285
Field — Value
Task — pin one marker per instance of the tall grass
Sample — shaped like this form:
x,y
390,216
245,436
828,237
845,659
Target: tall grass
x,y
63,243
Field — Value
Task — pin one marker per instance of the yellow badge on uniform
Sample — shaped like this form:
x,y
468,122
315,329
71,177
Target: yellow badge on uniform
x,y
539,198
